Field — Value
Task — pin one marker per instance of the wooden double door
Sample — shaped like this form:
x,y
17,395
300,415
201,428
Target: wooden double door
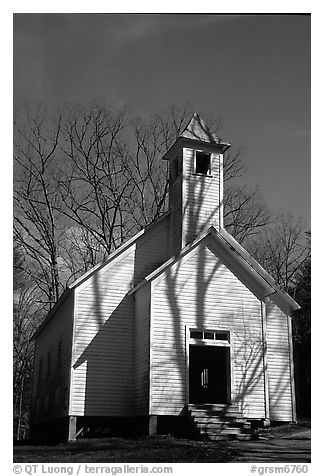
x,y
209,374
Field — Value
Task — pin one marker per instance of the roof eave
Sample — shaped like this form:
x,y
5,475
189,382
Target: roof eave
x,y
51,313
257,268
118,250
154,274
264,279
221,145
87,275
211,231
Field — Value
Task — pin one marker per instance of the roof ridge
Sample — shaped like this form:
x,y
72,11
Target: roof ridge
x,y
226,237
196,129
118,250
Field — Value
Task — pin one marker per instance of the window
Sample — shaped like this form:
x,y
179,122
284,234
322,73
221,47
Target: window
x,y
221,336
210,335
203,163
196,335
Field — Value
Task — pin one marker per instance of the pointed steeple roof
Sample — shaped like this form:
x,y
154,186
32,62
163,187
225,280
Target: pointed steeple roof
x,y
197,131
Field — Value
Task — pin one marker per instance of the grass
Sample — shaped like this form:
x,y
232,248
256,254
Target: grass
x,y
288,430
162,449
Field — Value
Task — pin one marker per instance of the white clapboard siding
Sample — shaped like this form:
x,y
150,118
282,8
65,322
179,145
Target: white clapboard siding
x,y
201,292
175,200
50,390
102,382
201,197
142,350
279,365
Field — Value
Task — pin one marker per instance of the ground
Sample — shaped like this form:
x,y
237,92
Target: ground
x,y
287,444
290,443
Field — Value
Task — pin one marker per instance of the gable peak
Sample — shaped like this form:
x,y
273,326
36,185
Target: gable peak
x,y
197,130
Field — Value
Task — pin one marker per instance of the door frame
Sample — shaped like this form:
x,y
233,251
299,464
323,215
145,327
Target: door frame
x,y
205,342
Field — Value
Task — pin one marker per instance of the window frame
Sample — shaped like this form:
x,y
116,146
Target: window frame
x,y
209,342
203,341
209,173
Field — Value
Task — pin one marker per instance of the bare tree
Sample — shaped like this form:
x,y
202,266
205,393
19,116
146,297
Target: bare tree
x,y
36,228
95,189
79,252
27,313
153,137
282,248
116,181
302,338
245,212
92,178
89,179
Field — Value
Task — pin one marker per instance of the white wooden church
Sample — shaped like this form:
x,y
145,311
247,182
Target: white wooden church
x,y
179,326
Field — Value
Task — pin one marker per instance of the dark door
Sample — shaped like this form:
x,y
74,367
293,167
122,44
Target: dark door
x,y
208,374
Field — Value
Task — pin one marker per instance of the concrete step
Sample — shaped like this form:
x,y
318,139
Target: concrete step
x,y
221,431
217,425
220,422
218,418
208,411
214,412
214,406
221,437
244,436
238,437
229,433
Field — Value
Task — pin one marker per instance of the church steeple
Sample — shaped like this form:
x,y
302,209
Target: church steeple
x,y
196,183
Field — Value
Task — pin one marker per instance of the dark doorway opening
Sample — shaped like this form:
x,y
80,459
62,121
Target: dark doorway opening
x,y
209,374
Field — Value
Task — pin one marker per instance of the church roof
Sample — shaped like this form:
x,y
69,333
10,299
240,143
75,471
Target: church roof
x,y
197,131
239,255
97,268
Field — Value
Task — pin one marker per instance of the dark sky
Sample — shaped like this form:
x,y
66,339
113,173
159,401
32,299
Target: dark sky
x,y
252,71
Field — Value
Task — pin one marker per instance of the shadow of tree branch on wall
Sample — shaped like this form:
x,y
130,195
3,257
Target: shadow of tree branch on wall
x,y
103,374
198,290
193,300
104,365
205,295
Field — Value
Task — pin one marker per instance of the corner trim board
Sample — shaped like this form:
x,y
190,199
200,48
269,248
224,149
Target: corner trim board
x,y
265,362
221,192
72,352
291,368
187,337
150,363
183,197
